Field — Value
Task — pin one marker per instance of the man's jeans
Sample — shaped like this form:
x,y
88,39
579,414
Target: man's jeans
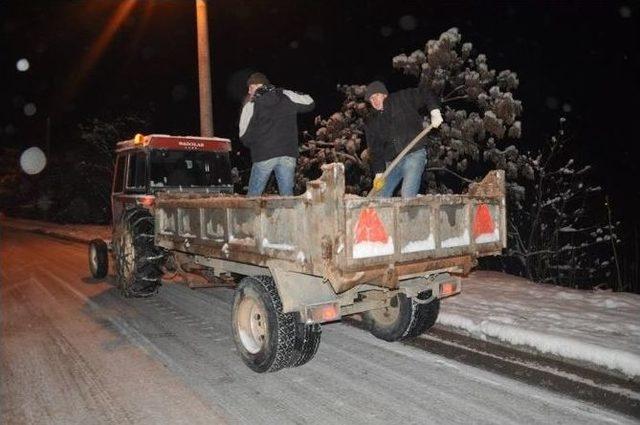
x,y
284,168
409,170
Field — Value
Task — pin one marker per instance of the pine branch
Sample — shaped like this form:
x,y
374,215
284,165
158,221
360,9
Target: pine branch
x,y
455,98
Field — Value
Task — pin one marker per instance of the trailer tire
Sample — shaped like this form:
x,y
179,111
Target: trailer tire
x,y
138,260
404,319
426,317
265,337
306,344
98,258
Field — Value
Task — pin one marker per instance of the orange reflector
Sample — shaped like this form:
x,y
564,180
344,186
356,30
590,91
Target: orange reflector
x,y
448,288
369,228
146,201
483,222
320,313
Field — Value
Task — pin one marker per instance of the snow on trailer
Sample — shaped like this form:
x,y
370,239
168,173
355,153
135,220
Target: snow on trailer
x,y
317,257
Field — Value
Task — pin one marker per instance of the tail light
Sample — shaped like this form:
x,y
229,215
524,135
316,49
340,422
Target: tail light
x,y
146,201
449,288
320,313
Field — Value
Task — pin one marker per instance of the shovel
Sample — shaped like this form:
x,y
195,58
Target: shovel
x,y
378,184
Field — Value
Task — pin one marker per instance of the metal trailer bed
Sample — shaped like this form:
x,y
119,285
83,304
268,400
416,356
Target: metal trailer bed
x,y
326,247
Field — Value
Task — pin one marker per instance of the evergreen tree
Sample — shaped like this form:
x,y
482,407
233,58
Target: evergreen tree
x,y
557,227
479,110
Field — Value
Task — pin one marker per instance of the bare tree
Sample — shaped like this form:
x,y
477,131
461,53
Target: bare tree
x,y
559,227
79,179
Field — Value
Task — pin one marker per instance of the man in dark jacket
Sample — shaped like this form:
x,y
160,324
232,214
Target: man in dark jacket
x,y
269,128
395,121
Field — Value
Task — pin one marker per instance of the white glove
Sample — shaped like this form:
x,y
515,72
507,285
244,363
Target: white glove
x,y
436,118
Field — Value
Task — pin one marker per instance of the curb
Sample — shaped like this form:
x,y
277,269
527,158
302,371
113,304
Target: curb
x,y
462,339
543,356
578,367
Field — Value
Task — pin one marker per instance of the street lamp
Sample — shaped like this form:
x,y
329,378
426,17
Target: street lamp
x,y
204,70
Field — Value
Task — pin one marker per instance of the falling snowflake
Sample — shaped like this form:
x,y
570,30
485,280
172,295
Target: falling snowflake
x,y
386,31
179,92
22,65
29,109
408,22
625,11
33,160
552,103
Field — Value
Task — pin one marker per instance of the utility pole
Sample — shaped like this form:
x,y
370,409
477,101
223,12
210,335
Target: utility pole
x,y
204,70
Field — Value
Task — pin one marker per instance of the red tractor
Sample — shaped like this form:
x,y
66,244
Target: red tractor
x,y
144,166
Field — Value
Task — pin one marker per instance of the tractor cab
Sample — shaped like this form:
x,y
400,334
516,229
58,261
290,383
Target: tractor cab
x,y
152,163
146,165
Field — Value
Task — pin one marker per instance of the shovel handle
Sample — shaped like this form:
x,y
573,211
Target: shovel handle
x,y
398,158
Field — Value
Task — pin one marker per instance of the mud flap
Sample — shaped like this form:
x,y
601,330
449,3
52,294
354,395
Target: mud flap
x,y
298,290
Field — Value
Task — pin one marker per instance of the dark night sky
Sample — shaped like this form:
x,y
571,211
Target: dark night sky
x,y
580,56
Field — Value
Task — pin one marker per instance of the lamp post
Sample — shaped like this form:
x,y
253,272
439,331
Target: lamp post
x,y
204,70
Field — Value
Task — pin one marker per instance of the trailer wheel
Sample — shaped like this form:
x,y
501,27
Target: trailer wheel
x,y
403,319
138,260
306,344
98,258
264,336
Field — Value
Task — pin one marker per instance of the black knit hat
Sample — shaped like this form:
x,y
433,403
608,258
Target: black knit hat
x,y
257,78
375,87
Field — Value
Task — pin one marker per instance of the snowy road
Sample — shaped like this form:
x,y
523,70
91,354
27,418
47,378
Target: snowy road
x,y
73,351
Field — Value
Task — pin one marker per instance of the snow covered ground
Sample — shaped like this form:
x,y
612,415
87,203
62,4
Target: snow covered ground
x,y
74,351
78,232
600,328
597,327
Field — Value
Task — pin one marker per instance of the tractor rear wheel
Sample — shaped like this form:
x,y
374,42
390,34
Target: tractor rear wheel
x,y
138,260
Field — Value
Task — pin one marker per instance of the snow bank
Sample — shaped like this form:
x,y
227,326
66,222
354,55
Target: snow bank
x,y
77,232
602,328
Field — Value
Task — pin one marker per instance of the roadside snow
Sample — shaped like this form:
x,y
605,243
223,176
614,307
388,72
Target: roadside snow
x,y
78,232
602,327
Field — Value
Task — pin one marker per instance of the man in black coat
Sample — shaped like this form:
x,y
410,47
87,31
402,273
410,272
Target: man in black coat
x,y
269,128
395,121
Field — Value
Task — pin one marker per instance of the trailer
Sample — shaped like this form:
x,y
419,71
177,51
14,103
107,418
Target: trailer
x,y
325,255
296,262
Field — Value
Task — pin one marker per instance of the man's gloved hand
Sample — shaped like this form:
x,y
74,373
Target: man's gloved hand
x,y
436,118
378,181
